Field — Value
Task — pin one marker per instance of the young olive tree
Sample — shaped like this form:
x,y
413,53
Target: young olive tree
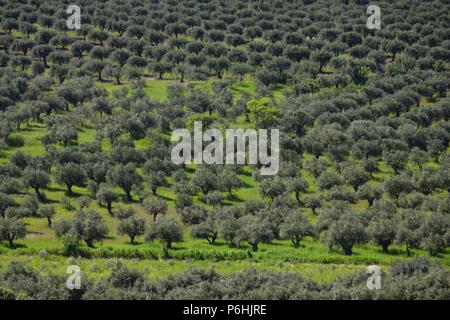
x,y
48,212
346,232
166,229
132,227
12,229
295,227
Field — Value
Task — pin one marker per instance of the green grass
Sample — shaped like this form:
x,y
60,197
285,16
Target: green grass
x,y
32,146
100,268
247,85
311,260
155,89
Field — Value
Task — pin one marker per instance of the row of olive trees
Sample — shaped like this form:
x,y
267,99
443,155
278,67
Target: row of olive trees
x,y
169,51
20,281
337,225
90,227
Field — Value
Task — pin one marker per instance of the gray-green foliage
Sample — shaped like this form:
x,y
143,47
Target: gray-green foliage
x,y
132,227
254,229
345,232
295,227
86,226
419,279
166,229
48,212
11,229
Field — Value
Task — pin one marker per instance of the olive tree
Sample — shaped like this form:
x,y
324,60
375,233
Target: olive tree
x,y
255,230
297,185
370,193
6,202
397,185
165,228
409,229
154,207
228,181
355,176
436,233
36,179
272,188
71,174
346,232
396,159
132,227
12,229
48,212
107,196
295,227
125,177
208,229
313,202
205,179
87,226
382,229
229,230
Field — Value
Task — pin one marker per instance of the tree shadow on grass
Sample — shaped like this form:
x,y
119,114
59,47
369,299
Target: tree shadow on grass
x,y
393,252
163,197
16,246
135,244
216,244
74,194
247,173
241,246
73,143
46,200
277,244
340,251
32,234
245,185
234,197
27,128
233,202
56,189
189,170
176,248
126,201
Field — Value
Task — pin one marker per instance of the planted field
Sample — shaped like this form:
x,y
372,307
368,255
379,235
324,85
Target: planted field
x,y
89,177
